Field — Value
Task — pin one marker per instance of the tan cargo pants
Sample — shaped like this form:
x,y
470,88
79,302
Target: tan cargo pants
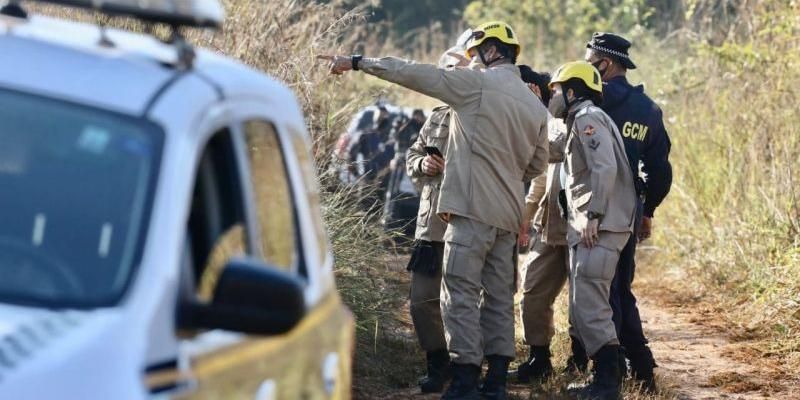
x,y
545,272
591,272
426,310
478,290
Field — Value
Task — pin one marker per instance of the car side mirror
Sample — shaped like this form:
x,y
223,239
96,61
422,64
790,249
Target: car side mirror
x,y
250,297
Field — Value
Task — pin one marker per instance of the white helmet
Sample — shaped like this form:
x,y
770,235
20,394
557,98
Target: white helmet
x,y
446,60
464,38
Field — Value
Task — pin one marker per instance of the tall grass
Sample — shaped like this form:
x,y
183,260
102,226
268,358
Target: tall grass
x,y
284,38
731,225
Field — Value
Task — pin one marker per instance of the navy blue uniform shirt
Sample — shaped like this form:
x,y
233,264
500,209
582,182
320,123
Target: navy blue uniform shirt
x,y
640,123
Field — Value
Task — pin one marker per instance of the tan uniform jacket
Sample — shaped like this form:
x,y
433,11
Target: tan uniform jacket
x,y
598,176
547,219
497,140
542,198
433,133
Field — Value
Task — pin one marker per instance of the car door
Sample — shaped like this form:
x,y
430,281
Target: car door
x,y
313,360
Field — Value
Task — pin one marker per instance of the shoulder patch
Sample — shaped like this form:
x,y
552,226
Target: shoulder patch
x,y
588,129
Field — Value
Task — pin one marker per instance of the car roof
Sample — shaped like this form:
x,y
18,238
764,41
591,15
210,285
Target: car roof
x,y
66,60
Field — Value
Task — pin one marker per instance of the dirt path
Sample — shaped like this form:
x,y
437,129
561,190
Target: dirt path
x,y
692,358
696,358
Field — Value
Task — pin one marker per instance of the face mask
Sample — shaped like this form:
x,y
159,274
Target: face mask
x,y
558,106
597,64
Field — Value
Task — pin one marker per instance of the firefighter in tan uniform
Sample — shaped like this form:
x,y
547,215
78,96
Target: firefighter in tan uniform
x,y
601,201
426,257
497,140
545,270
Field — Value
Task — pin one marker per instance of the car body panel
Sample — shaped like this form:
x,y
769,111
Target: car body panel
x,y
84,72
238,371
67,344
123,352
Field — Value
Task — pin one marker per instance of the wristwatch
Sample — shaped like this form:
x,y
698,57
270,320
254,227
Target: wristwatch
x,y
593,215
355,59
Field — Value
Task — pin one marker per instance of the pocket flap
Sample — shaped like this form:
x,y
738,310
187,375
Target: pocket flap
x,y
426,192
459,233
582,200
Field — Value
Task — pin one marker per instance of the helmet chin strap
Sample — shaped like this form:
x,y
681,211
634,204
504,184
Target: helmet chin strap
x,y
483,58
571,103
566,101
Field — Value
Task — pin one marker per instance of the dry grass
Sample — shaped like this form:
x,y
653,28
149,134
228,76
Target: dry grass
x,y
730,230
733,382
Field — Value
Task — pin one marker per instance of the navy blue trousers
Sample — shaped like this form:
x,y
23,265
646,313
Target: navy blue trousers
x,y
623,302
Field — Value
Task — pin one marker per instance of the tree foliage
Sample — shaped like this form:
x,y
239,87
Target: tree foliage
x,y
558,30
401,17
407,15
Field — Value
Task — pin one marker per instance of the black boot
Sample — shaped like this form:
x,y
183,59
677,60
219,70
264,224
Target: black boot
x,y
578,362
642,364
494,386
438,372
623,364
464,385
537,367
606,382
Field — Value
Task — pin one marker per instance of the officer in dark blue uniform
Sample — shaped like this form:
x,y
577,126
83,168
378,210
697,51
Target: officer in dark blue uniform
x,y
647,145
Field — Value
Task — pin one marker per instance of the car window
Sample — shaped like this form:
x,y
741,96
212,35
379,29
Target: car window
x,y
230,244
217,229
312,193
76,184
273,197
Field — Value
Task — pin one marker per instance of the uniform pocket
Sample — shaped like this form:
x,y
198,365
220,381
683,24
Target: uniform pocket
x,y
425,205
440,142
575,157
458,239
581,196
597,263
437,141
459,231
456,259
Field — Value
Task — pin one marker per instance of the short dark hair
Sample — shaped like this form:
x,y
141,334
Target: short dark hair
x,y
581,91
506,50
540,79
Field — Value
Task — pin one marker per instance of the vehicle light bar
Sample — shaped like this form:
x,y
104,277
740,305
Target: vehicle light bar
x,y
193,13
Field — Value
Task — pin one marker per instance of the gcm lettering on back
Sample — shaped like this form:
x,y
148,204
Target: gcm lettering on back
x,y
634,131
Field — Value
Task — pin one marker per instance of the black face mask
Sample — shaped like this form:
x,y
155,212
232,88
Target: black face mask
x,y
597,64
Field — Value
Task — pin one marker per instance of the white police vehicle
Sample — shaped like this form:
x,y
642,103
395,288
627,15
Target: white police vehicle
x,y
160,232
